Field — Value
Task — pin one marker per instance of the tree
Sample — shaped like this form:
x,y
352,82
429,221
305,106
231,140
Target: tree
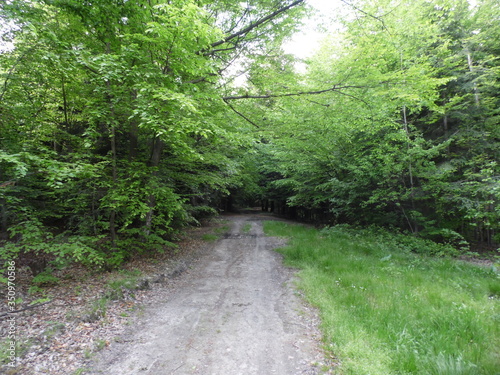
x,y
122,122
412,138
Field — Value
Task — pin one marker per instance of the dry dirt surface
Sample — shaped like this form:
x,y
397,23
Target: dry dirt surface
x,y
235,312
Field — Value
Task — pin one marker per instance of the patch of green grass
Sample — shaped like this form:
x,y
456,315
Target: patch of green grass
x,y
216,233
98,309
4,351
387,310
132,273
221,230
100,344
125,280
246,228
87,354
45,278
79,371
53,329
209,237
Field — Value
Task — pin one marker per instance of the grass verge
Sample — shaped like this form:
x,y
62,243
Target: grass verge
x,y
246,228
387,310
218,232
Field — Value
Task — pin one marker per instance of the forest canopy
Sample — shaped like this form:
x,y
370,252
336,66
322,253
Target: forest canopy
x,y
120,121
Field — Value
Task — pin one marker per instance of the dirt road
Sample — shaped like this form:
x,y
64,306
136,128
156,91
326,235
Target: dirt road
x,y
235,312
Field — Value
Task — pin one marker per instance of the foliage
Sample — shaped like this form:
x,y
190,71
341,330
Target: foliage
x,y
402,242
45,278
120,123
387,310
405,132
114,134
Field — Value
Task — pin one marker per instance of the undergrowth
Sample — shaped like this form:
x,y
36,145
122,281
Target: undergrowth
x,y
387,307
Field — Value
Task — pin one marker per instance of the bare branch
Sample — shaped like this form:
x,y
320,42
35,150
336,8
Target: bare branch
x,y
26,308
241,19
255,24
241,115
203,79
354,97
267,96
315,102
367,14
12,69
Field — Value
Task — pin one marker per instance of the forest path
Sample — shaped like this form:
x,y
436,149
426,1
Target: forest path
x,y
236,312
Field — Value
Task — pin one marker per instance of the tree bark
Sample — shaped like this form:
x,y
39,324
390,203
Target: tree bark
x,y
3,229
471,69
112,216
133,139
157,148
410,167
114,171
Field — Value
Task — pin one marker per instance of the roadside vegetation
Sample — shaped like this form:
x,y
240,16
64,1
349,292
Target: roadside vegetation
x,y
109,149
388,307
122,124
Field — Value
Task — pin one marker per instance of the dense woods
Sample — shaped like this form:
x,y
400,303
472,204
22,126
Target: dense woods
x,y
406,133
121,122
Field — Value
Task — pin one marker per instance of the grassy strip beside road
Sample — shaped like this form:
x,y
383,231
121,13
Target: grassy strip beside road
x,y
386,310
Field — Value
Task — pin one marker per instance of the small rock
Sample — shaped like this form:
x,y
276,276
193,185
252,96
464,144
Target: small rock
x,y
143,284
178,270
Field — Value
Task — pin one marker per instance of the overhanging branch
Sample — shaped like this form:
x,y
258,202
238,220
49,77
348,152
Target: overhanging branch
x,y
241,114
267,96
368,14
254,25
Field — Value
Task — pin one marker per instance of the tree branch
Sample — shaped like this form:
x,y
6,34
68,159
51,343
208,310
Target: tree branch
x,y
241,114
202,79
26,308
255,24
214,51
356,98
367,14
267,96
12,69
315,102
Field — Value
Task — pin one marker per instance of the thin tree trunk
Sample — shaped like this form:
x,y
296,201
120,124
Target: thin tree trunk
x,y
3,231
95,214
133,132
65,102
112,216
156,150
471,69
133,139
114,171
446,129
413,228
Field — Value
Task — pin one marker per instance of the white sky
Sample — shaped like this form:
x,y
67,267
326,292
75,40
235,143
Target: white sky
x,y
304,43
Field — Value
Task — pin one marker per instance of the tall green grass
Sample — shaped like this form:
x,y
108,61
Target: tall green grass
x,y
387,310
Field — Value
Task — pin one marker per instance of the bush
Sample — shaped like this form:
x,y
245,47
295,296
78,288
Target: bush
x,y
401,241
202,212
33,241
45,278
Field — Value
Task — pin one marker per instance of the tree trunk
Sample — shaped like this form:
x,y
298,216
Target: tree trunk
x,y
471,69
410,169
112,216
3,230
134,139
157,148
133,132
114,171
